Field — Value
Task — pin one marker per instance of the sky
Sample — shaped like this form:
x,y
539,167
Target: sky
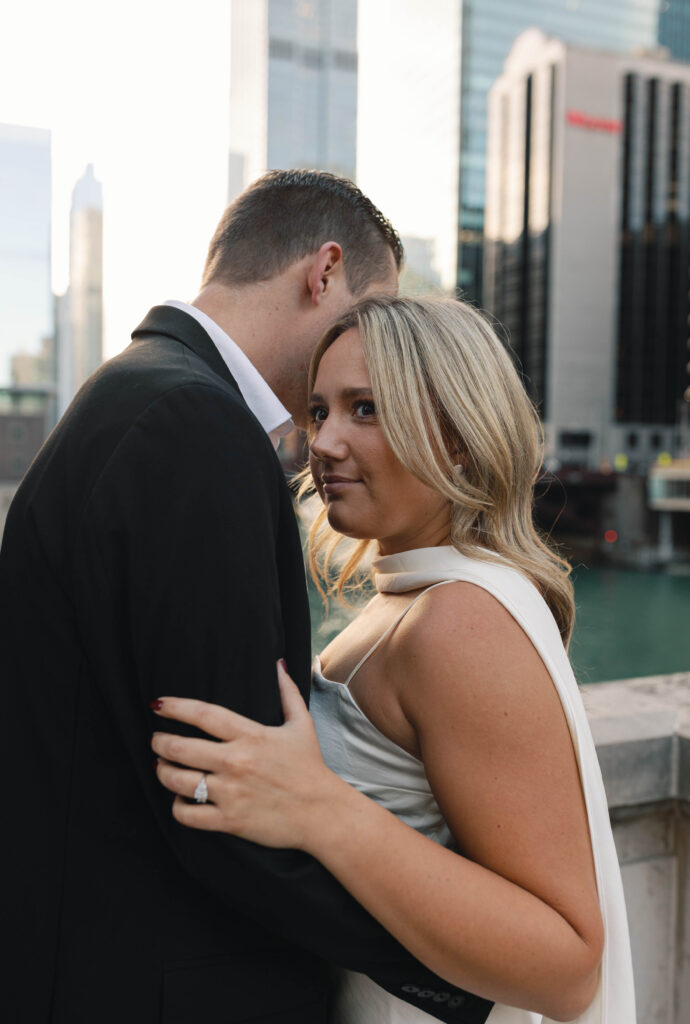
x,y
140,89
408,137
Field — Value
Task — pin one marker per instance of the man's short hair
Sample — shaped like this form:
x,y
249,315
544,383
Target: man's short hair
x,y
286,215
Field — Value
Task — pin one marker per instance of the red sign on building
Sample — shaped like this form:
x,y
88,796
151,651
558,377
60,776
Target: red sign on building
x,y
595,124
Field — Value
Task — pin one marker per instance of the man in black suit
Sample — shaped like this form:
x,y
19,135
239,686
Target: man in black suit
x,y
152,547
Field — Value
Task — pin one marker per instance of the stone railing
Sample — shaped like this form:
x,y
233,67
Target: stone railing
x,y
642,731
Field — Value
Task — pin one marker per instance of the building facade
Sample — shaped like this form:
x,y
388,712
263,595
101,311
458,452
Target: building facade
x,y
587,251
293,87
489,28
27,335
25,289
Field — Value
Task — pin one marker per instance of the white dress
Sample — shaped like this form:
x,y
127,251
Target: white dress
x,y
354,748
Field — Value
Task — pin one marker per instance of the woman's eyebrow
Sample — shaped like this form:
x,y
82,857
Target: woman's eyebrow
x,y
345,393
354,392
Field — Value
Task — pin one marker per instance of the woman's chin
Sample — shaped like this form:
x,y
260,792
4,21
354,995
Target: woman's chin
x,y
345,525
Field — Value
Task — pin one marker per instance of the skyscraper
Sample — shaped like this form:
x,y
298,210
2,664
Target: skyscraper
x,y
587,255
27,364
25,297
488,30
85,297
293,87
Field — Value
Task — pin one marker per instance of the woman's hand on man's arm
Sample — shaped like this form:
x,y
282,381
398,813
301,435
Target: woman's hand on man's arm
x,y
267,784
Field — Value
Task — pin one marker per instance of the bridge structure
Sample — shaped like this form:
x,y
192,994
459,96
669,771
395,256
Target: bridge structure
x,y
668,491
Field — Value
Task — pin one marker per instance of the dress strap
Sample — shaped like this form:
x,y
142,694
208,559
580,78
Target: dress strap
x,y
390,629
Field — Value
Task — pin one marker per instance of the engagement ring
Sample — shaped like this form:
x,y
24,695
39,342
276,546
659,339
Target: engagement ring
x,y
201,791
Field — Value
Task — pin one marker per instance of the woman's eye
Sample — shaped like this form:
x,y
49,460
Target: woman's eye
x,y
317,414
364,410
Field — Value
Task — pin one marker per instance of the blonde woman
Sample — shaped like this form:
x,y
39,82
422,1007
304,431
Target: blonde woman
x,y
446,776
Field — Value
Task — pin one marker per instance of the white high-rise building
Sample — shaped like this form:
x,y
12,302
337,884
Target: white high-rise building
x,y
587,245
81,323
293,87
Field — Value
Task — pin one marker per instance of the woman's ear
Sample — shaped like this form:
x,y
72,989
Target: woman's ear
x,y
458,455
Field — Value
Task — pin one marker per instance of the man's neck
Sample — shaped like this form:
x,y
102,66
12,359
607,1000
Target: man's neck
x,y
241,313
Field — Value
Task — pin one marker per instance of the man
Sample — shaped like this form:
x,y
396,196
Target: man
x,y
152,548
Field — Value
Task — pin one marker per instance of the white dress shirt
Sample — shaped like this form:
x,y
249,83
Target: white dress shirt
x,y
266,406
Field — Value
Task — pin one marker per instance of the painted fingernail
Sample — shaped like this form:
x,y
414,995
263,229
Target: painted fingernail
x,y
156,705
283,664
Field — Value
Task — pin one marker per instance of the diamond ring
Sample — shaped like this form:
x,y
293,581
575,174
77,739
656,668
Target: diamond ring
x,y
201,791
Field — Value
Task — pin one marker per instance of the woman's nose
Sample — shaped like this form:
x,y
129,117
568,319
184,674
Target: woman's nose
x,y
328,442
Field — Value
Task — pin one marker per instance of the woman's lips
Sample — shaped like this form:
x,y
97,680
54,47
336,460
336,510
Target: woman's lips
x,y
337,484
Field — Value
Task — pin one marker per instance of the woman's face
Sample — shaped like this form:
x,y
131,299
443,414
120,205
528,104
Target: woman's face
x,y
367,492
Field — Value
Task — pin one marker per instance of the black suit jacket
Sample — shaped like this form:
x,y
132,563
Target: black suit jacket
x,y
152,549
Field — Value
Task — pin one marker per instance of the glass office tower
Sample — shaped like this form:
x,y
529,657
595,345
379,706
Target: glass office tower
x,y
27,341
674,27
489,28
26,318
293,87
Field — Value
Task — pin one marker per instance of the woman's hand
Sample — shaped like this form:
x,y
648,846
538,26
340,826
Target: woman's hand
x,y
268,784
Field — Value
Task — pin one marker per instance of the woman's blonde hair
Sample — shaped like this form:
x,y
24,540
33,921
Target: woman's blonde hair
x,y
456,415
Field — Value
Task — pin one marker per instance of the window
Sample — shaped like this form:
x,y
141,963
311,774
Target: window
x,y
313,58
344,61
575,438
281,49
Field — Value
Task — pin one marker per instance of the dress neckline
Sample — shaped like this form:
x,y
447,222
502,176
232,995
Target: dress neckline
x,y
421,567
345,693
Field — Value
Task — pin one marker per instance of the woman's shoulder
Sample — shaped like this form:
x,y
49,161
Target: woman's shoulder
x,y
460,659
455,614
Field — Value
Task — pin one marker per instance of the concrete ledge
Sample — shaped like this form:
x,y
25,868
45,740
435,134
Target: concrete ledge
x,y
641,729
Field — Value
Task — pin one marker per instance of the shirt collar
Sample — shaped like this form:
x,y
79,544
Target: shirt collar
x,y
266,406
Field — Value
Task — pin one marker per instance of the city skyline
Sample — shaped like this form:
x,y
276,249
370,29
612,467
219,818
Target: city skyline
x,y
160,142
158,137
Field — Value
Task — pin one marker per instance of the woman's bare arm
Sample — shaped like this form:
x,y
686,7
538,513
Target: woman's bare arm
x,y
524,916
516,918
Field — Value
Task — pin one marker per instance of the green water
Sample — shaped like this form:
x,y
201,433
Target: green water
x,y
628,624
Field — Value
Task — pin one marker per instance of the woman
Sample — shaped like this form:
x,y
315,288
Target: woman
x,y
485,846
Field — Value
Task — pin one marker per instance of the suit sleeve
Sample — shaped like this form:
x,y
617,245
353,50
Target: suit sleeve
x,y
178,593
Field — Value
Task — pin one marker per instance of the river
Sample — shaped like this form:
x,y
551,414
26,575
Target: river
x,y
628,624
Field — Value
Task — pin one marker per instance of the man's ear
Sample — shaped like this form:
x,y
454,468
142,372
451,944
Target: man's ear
x,y
327,265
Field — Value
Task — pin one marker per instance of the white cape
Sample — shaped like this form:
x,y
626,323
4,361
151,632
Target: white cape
x,y
410,570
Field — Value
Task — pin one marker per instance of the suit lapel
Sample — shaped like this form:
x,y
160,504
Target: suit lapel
x,y
175,323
